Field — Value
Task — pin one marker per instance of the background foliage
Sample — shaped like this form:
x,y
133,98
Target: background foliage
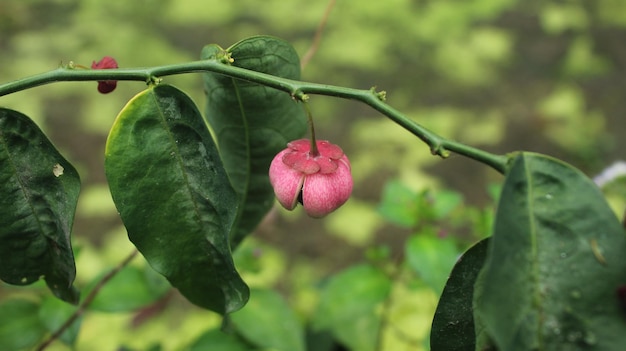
x,y
501,74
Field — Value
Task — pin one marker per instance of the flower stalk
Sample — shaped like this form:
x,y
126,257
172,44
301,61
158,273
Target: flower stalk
x,y
314,151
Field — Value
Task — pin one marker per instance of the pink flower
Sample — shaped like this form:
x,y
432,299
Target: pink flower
x,y
321,183
105,86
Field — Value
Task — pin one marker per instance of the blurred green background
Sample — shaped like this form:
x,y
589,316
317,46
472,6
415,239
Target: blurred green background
x,y
503,75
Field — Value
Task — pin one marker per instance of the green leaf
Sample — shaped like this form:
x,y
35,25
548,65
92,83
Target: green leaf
x,y
482,341
403,206
445,202
174,197
20,326
216,340
432,258
252,123
128,290
453,324
348,306
554,264
268,322
151,347
54,313
38,195
400,204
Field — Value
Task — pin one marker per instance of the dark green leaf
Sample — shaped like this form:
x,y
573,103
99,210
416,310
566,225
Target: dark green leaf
x,y
483,340
348,306
128,290
252,123
215,340
320,341
20,326
554,264
38,194
168,184
453,324
432,258
268,322
54,314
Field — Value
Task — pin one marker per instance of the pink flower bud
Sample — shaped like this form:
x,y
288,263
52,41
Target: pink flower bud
x,y
107,62
321,183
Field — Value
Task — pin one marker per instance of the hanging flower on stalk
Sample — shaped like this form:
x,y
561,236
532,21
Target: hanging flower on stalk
x,y
314,173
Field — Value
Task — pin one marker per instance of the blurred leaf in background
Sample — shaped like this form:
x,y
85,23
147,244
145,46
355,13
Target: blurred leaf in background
x,y
432,258
350,314
54,313
20,325
269,322
130,289
499,74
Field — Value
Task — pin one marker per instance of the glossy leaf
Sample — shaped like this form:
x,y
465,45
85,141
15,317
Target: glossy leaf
x,y
20,326
252,123
555,262
174,197
38,195
268,322
453,324
483,341
348,306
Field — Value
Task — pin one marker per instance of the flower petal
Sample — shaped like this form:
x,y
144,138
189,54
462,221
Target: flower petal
x,y
287,182
301,162
343,181
326,164
329,150
324,193
105,63
106,86
302,145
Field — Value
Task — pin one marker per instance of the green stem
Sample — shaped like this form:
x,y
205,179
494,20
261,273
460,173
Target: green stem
x,y
297,89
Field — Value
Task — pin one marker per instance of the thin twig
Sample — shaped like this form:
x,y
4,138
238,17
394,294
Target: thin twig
x,y
384,320
318,36
394,276
87,301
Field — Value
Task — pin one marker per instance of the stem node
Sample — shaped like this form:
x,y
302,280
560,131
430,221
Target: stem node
x,y
299,95
380,95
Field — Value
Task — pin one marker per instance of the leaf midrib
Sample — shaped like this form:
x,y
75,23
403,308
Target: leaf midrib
x,y
179,160
535,271
242,197
22,185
